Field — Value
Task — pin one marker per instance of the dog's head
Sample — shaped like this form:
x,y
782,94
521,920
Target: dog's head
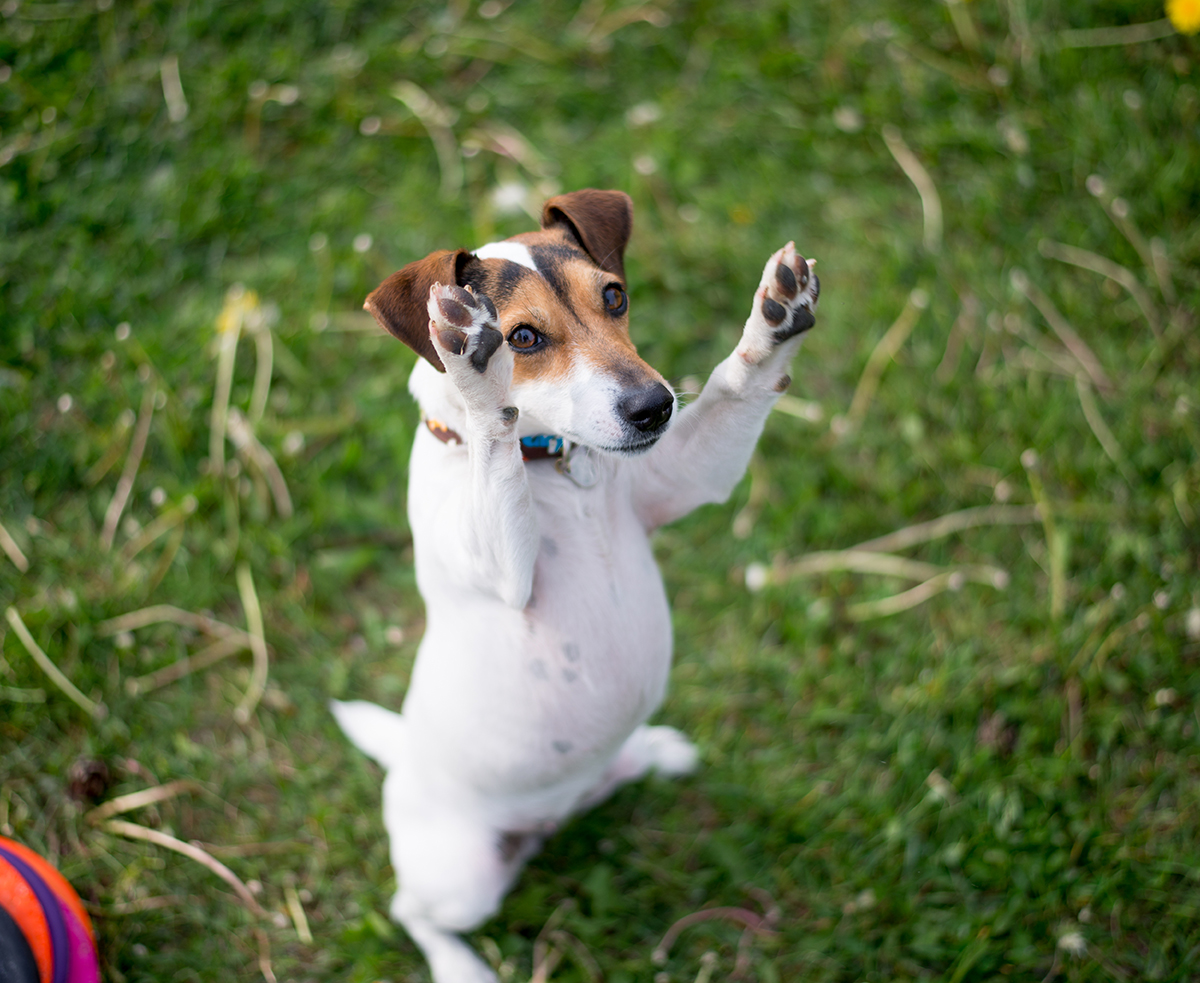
x,y
560,295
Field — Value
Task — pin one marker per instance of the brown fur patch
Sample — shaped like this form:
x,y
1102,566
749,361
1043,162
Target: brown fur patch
x,y
565,305
579,252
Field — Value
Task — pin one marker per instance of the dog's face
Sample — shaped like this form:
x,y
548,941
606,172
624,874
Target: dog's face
x,y
563,311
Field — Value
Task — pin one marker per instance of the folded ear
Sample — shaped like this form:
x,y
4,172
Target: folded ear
x,y
399,303
601,220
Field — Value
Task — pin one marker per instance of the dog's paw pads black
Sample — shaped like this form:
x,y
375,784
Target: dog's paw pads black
x,y
773,312
464,323
789,295
455,342
457,307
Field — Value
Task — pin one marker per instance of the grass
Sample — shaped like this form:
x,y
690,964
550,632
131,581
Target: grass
x,y
993,783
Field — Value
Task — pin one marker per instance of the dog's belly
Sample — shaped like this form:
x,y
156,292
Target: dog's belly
x,y
532,705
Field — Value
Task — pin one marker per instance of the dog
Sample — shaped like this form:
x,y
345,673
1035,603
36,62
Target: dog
x,y
549,452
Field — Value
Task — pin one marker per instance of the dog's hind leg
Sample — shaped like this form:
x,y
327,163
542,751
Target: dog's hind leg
x,y
450,959
452,875
663,750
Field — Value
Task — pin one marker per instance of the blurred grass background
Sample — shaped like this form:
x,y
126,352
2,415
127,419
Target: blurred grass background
x,y
1000,782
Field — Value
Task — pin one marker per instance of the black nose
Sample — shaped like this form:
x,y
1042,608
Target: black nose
x,y
648,408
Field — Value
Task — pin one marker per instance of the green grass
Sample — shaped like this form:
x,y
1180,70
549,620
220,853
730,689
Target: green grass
x,y
941,793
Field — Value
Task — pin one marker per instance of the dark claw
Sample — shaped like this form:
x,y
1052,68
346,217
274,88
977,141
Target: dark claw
x,y
773,311
489,340
453,341
785,279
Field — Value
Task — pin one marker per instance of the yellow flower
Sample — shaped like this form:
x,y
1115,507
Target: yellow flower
x,y
1184,15
239,303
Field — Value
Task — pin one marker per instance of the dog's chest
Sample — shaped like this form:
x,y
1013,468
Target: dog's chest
x,y
597,591
558,685
594,641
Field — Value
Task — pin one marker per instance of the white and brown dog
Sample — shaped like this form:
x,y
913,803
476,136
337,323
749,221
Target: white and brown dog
x,y
549,454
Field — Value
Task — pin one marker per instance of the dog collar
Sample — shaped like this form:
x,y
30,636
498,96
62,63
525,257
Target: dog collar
x,y
541,445
535,448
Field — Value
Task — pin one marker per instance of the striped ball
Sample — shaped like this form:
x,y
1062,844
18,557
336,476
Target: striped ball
x,y
45,933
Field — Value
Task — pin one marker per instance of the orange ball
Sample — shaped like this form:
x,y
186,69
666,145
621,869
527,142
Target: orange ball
x,y
23,907
54,880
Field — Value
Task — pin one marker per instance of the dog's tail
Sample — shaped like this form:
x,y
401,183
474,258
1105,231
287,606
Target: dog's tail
x,y
377,732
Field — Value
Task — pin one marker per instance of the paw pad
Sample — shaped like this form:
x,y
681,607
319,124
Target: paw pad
x,y
464,323
789,294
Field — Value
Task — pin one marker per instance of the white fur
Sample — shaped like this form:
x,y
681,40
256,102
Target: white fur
x,y
514,252
548,635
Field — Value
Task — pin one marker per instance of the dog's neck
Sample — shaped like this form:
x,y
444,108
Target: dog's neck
x,y
444,413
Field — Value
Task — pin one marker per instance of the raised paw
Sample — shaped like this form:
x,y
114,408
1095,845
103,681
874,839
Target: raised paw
x,y
783,304
464,329
463,323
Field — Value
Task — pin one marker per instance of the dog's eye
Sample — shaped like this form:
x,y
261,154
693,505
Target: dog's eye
x,y
523,338
615,299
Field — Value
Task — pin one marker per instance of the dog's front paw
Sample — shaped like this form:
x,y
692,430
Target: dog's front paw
x,y
783,304
463,325
464,329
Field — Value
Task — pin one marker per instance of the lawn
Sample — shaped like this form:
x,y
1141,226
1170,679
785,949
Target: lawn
x,y
967,751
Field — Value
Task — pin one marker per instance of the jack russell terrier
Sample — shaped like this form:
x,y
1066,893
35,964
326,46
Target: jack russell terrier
x,y
549,453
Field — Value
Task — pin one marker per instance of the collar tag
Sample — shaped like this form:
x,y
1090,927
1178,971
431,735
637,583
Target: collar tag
x,y
578,464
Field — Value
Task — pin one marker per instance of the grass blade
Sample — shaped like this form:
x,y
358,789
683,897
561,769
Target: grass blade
x,y
97,711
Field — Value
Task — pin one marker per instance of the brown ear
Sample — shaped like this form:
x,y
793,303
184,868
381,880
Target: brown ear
x,y
601,220
399,303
